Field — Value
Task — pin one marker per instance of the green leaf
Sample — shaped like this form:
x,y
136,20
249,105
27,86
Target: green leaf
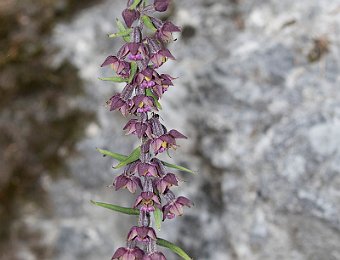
x,y
150,94
134,156
158,218
116,156
133,71
174,166
121,33
135,4
122,28
128,211
148,23
179,251
114,79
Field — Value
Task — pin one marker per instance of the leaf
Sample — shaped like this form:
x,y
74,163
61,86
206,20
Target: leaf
x,y
150,94
128,211
114,79
179,251
158,218
133,71
135,4
134,156
122,28
174,166
148,23
121,33
116,156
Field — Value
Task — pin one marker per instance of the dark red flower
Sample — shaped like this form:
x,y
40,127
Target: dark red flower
x,y
147,78
166,141
138,128
142,234
166,182
128,182
121,67
116,102
160,57
147,201
146,169
162,84
125,253
175,207
135,51
142,104
164,30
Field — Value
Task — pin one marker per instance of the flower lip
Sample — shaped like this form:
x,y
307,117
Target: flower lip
x,y
143,104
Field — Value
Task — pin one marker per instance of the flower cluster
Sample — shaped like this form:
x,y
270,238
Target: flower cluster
x,y
136,65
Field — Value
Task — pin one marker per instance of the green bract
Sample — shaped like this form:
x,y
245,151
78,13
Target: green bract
x,y
128,211
134,156
179,251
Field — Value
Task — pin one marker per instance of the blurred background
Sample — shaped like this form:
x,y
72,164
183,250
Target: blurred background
x,y
257,93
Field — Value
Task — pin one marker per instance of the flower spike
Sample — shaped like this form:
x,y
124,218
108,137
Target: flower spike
x,y
136,65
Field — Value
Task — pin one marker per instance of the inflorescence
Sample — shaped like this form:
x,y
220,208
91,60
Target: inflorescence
x,y
136,65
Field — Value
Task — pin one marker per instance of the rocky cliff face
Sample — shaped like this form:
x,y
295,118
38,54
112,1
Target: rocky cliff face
x,y
258,97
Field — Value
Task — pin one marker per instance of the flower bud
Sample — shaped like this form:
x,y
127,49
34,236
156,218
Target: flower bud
x,y
161,5
130,16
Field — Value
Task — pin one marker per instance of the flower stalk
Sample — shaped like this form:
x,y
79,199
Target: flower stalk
x,y
136,65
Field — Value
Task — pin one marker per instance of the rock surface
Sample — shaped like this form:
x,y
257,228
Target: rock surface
x,y
258,97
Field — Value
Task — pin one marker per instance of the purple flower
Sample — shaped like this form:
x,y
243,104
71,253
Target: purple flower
x,y
134,50
142,104
147,170
165,30
175,207
116,102
155,256
147,200
161,5
142,234
128,182
166,141
163,83
166,182
146,78
160,57
130,16
121,67
138,128
125,253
